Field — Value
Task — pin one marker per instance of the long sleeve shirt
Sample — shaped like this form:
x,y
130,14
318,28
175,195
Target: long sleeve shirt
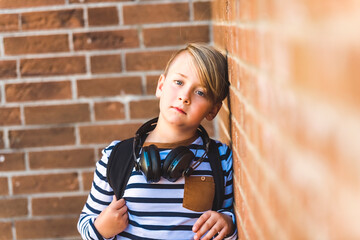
x,y
155,210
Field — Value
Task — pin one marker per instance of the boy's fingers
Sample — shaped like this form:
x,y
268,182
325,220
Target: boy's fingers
x,y
117,204
205,224
221,235
202,219
213,230
209,228
126,217
123,210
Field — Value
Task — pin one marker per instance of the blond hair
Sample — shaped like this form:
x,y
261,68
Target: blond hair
x,y
212,69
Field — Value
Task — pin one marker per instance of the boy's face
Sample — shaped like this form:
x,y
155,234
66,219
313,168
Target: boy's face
x,y
183,99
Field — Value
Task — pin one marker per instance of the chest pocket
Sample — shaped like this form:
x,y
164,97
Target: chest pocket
x,y
199,192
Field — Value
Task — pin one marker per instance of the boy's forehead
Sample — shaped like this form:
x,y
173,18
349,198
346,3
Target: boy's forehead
x,y
183,62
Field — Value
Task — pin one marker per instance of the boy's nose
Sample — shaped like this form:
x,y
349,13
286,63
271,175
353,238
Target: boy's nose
x,y
184,99
184,95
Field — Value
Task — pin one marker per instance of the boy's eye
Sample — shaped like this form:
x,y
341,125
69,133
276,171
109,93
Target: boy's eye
x,y
200,93
178,82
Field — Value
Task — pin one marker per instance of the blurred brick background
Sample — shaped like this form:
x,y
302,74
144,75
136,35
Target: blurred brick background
x,y
77,74
74,76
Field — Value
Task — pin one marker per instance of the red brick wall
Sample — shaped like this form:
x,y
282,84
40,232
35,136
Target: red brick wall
x,y
294,116
75,75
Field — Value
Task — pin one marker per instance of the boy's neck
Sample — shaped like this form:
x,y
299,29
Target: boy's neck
x,y
166,133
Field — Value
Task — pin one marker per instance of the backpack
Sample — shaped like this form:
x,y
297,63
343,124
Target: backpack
x,y
121,164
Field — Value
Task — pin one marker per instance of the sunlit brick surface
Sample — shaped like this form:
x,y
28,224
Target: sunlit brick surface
x,y
294,115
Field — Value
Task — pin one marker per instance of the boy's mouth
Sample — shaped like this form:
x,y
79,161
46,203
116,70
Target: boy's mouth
x,y
180,110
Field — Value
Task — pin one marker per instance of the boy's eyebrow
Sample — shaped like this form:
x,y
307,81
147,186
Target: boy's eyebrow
x,y
183,75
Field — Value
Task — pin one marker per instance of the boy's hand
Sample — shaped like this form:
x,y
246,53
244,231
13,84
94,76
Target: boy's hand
x,y
113,220
213,223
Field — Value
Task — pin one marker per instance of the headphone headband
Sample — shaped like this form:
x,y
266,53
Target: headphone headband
x,y
146,127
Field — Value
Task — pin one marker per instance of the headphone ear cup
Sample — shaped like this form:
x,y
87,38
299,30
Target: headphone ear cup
x,y
150,163
176,163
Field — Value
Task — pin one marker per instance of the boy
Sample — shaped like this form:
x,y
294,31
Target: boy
x,y
192,88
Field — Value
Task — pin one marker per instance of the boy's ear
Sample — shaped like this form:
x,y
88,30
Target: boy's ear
x,y
160,85
213,111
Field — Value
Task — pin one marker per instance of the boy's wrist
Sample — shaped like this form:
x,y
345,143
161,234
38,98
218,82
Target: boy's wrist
x,y
231,223
232,231
97,233
100,232
232,235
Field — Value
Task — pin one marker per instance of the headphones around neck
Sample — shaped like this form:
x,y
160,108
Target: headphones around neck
x,y
176,163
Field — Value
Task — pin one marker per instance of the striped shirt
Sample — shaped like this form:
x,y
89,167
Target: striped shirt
x,y
155,209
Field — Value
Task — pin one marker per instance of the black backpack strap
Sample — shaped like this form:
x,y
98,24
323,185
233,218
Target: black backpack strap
x,y
120,166
215,163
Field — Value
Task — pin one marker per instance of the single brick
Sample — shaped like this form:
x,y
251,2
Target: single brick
x,y
100,152
249,41
52,66
142,61
57,114
57,205
72,18
202,10
106,40
8,69
103,16
109,111
105,63
106,133
4,186
109,86
9,116
56,228
12,162
144,109
13,207
156,13
9,22
98,1
219,10
218,33
36,44
45,183
176,35
38,91
6,230
26,3
1,139
41,137
77,158
87,180
151,84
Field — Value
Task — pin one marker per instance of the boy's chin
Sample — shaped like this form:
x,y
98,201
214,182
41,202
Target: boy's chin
x,y
177,122
184,124
181,121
